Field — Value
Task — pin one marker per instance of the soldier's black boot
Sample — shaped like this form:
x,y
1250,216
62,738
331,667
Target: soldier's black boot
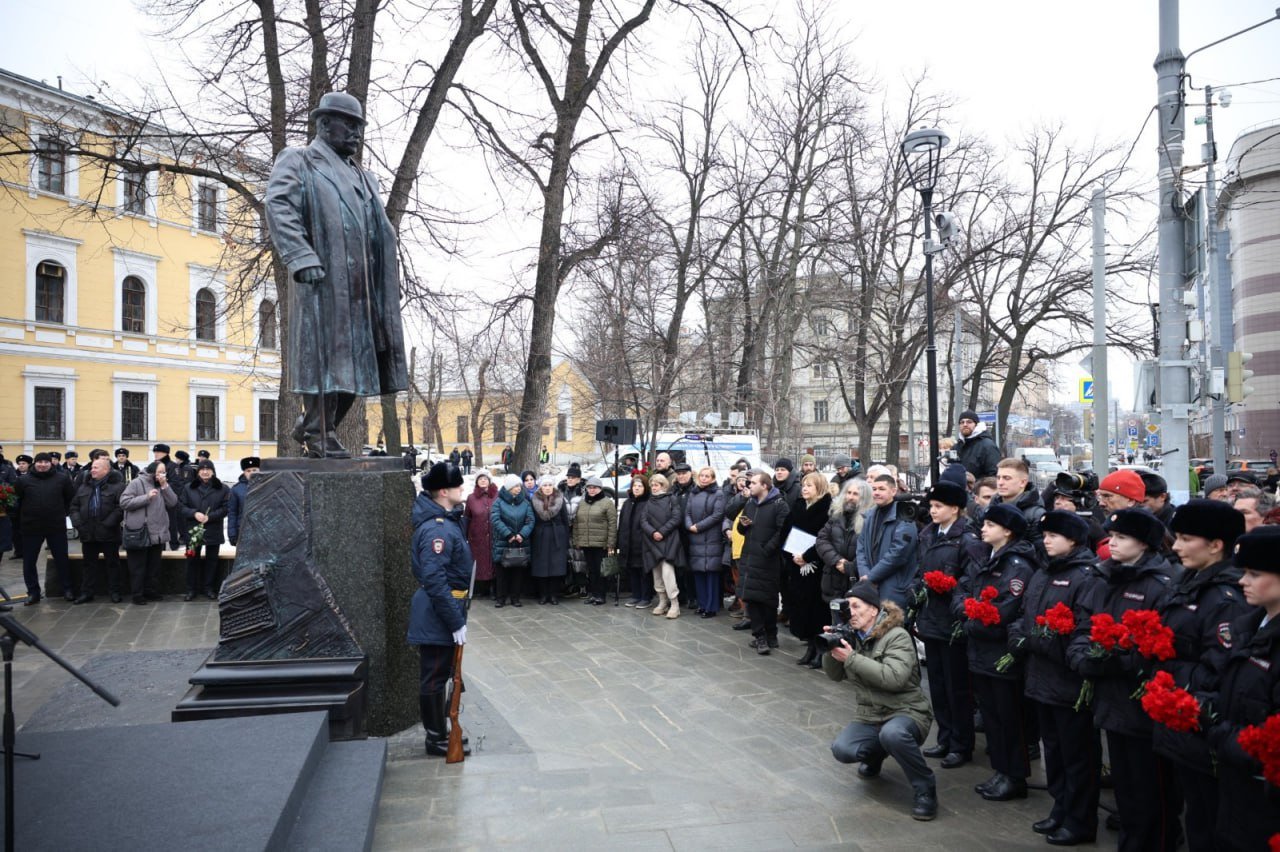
x,y
431,707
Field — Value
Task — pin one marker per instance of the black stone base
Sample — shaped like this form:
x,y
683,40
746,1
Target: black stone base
x,y
173,576
251,688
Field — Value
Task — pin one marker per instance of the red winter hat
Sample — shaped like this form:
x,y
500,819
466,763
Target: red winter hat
x,y
1126,483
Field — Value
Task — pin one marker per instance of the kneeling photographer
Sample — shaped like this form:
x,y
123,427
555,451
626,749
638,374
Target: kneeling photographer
x,y
872,650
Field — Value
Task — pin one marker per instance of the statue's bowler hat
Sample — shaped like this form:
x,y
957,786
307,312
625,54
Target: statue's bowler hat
x,y
339,103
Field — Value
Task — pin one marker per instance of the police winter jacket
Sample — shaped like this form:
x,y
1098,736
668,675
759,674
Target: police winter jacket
x,y
235,508
885,673
97,517
662,514
511,515
1067,580
704,509
631,547
1199,610
441,562
46,500
1008,570
596,523
1248,692
887,551
952,553
839,540
1143,585
210,498
760,551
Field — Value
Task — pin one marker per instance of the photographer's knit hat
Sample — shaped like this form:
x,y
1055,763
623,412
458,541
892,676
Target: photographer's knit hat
x,y
865,591
1126,483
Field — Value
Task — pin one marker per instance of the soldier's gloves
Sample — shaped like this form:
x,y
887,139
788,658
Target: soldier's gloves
x,y
460,635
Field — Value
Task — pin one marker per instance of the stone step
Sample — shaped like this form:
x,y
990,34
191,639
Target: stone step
x,y
341,802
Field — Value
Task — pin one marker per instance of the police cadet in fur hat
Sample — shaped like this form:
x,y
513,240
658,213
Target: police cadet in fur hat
x,y
1246,695
1203,603
1136,576
442,567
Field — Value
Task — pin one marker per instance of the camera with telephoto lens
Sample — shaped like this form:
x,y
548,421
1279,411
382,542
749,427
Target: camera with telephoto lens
x,y
1069,480
840,629
911,507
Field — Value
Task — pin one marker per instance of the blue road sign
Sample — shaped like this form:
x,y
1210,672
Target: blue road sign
x,y
1133,431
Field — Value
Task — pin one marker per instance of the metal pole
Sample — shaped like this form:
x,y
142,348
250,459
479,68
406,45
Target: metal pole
x,y
1218,287
931,349
1174,377
957,368
1099,203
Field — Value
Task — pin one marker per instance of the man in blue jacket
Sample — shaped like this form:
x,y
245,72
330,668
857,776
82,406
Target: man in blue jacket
x,y
442,566
887,546
249,467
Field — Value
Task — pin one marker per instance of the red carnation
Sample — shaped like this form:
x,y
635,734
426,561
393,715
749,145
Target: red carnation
x,y
1148,634
1274,843
1170,705
1105,634
1262,743
939,582
983,610
1057,619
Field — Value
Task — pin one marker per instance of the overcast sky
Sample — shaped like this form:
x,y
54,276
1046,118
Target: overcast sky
x,y
1010,63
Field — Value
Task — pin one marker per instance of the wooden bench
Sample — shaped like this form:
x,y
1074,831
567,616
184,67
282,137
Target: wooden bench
x,y
173,573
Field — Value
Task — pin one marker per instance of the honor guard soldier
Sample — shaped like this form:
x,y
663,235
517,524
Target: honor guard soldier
x,y
442,567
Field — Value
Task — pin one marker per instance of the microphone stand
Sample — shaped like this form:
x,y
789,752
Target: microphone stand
x,y
13,633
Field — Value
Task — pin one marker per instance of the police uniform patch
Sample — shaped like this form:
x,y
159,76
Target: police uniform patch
x,y
1224,634
1016,586
1134,596
1062,582
437,545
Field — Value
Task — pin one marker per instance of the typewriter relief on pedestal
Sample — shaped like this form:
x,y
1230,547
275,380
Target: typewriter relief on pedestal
x,y
276,605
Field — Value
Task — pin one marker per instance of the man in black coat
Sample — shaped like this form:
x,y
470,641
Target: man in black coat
x,y
96,515
46,496
764,518
975,447
1199,610
784,479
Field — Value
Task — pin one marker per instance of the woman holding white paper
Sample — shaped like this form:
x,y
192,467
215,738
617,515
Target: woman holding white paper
x,y
802,589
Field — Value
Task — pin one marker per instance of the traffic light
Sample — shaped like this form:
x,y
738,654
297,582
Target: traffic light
x,y
1238,377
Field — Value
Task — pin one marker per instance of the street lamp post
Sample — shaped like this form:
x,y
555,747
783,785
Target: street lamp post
x,y
922,151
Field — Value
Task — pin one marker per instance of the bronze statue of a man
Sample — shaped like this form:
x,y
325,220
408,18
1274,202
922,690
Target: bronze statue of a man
x,y
330,230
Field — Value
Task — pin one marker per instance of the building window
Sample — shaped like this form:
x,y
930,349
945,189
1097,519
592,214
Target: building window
x,y
821,370
50,410
820,411
267,324
135,192
133,305
499,428
51,166
207,206
822,327
462,429
266,420
51,279
562,427
206,315
133,416
207,418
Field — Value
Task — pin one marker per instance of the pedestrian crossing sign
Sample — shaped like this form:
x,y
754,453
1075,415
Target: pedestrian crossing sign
x,y
1086,390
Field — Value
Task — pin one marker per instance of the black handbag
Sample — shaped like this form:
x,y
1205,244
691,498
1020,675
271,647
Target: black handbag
x,y
515,557
138,539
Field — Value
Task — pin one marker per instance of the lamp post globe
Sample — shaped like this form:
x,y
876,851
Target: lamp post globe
x,y
922,153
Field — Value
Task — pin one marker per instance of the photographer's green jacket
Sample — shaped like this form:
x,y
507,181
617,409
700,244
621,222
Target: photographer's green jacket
x,y
885,673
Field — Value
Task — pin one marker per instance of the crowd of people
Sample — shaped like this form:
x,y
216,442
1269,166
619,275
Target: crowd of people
x,y
173,502
1034,609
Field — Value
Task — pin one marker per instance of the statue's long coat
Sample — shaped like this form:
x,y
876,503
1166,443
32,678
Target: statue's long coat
x,y
344,332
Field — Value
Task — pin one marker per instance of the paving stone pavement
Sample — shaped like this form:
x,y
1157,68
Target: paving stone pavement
x,y
635,732
600,728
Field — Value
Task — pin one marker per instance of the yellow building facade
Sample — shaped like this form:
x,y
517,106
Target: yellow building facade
x,y
117,322
568,428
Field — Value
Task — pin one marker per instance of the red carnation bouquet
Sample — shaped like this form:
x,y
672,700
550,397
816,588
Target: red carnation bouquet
x,y
1148,634
8,496
982,609
1262,743
1170,705
939,582
1057,620
1105,633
